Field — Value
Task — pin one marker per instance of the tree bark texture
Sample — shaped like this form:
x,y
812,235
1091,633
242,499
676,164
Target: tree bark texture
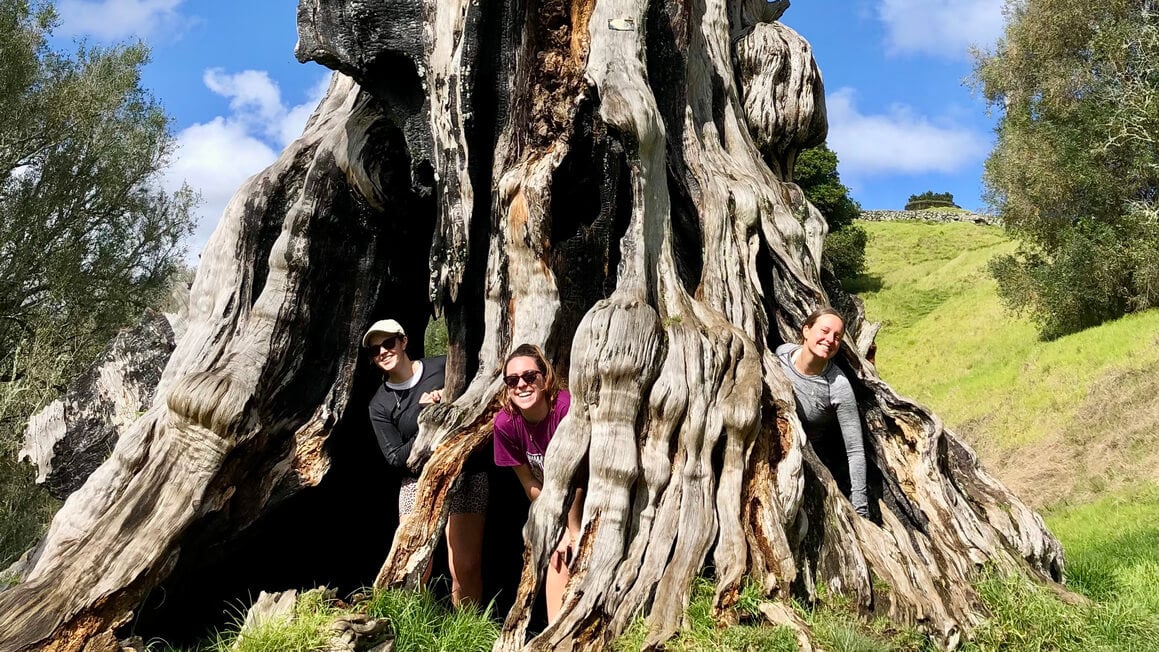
x,y
69,438
610,179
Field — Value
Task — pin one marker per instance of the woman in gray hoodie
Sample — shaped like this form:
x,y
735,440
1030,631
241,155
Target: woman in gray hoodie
x,y
824,394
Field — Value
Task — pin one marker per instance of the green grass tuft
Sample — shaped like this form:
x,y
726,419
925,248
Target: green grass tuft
x,y
1025,617
1112,559
418,621
701,631
423,624
305,631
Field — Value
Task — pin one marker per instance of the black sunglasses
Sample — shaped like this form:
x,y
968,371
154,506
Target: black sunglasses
x,y
387,344
528,377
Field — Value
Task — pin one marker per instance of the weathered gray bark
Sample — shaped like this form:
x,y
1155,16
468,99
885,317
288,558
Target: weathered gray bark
x,y
607,178
70,437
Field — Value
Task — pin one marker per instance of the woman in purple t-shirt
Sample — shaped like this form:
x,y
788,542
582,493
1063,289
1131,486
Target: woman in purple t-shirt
x,y
523,428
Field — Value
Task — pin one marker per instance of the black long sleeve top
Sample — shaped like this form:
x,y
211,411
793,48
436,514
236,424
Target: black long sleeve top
x,y
394,413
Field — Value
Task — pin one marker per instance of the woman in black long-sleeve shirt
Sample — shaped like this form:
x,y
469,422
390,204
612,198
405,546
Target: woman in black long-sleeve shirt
x,y
407,388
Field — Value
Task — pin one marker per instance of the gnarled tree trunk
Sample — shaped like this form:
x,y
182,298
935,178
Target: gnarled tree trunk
x,y
608,178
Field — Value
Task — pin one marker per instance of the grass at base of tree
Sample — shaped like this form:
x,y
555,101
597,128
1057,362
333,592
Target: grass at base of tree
x,y
1112,547
304,632
419,622
1112,558
835,627
701,631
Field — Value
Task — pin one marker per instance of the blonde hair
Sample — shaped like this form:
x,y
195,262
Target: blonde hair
x,y
550,384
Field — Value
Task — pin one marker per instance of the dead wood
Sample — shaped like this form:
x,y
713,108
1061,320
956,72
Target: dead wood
x,y
608,178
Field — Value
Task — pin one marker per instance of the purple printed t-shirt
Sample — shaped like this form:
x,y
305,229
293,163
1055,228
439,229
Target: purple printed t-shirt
x,y
518,442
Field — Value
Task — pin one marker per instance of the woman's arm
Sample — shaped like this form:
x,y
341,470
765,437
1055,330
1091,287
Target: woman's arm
x,y
575,515
531,486
390,439
849,418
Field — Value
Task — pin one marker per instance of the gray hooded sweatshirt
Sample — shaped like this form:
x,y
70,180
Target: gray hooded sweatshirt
x,y
820,400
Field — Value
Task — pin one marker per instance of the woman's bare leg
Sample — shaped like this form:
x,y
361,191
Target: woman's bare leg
x,y
465,558
554,583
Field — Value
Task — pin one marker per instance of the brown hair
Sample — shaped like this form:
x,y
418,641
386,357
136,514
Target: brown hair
x,y
550,384
819,313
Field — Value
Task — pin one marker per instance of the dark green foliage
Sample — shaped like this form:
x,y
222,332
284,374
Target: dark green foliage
x,y
845,251
1098,271
24,508
1075,172
931,196
930,199
88,238
435,340
816,174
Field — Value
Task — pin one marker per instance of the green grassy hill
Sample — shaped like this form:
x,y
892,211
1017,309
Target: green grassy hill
x,y
1070,425
1060,422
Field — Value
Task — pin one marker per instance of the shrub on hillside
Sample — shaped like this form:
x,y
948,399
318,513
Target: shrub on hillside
x,y
816,173
930,195
845,251
1075,170
1098,272
930,199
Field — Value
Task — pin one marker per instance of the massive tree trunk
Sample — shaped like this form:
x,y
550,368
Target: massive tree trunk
x,y
611,179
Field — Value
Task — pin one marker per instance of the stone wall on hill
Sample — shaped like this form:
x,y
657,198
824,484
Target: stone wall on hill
x,y
930,215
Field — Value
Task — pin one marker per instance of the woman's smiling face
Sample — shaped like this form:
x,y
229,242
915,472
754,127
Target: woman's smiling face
x,y
386,351
823,338
524,395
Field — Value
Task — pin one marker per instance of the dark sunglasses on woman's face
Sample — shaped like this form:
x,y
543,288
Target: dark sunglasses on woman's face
x,y
528,377
386,344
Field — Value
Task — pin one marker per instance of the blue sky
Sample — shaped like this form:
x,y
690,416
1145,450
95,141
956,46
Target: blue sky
x,y
901,119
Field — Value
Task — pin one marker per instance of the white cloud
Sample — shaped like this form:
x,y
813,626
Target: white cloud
x,y
216,156
944,28
252,94
118,19
294,121
899,141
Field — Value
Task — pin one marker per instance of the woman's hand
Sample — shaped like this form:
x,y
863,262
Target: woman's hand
x,y
431,397
564,552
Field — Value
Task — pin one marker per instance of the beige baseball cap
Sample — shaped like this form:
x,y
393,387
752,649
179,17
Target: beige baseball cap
x,y
385,327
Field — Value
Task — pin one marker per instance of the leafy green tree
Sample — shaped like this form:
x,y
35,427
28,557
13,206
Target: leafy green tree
x,y
87,239
1075,171
932,198
816,173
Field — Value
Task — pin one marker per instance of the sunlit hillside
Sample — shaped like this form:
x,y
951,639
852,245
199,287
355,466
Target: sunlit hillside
x,y
1060,422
